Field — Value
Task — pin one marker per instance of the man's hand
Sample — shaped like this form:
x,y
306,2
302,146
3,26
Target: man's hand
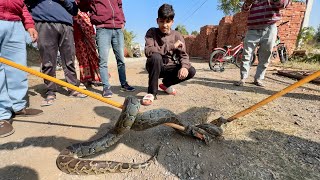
x,y
183,73
178,44
33,34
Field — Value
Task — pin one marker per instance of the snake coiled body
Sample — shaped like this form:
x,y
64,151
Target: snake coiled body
x,y
70,159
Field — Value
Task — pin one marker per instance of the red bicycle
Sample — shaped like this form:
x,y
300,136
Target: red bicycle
x,y
220,57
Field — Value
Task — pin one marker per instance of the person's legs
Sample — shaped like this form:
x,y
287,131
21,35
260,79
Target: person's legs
x,y
5,101
48,48
267,42
103,39
6,29
154,65
16,80
117,43
170,75
67,52
249,44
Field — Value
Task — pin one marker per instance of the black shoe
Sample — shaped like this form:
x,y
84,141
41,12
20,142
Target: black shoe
x,y
126,87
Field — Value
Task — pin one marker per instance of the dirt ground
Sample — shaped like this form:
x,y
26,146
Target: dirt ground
x,y
280,140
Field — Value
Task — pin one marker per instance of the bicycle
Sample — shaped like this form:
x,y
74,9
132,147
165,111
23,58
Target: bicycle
x,y
281,49
220,57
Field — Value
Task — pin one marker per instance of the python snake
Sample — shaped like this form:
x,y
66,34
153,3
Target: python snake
x,y
70,159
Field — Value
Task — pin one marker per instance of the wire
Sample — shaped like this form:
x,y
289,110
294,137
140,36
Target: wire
x,y
194,11
192,5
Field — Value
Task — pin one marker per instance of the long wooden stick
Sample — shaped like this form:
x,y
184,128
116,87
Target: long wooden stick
x,y
75,88
276,95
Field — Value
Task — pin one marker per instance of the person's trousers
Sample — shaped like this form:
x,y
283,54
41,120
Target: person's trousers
x,y
13,82
54,37
265,38
107,38
157,69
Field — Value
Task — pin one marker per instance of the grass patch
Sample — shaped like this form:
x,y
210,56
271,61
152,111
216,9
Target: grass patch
x,y
300,65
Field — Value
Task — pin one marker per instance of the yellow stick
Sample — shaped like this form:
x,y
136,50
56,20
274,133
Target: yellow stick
x,y
276,95
70,86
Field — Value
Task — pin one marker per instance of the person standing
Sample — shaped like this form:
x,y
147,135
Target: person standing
x,y
109,19
262,31
54,23
14,20
86,52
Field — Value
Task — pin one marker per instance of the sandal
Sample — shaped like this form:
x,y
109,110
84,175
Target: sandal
x,y
76,94
48,101
147,100
239,83
258,83
169,90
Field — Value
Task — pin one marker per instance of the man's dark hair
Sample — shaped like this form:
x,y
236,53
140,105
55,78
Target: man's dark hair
x,y
166,12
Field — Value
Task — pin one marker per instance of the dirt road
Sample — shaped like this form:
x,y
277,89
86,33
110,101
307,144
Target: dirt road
x,y
278,141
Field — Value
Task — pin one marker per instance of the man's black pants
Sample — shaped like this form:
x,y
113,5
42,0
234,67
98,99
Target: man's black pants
x,y
54,37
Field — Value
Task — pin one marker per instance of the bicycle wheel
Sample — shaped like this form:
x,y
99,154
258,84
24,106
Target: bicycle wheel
x,y
238,59
217,62
283,56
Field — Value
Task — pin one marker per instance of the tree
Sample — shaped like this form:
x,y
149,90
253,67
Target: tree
x,y
195,33
230,7
128,40
317,35
306,36
182,29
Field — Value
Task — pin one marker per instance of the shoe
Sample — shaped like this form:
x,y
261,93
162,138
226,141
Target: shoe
x,y
48,101
147,100
26,112
240,83
169,90
126,87
107,93
77,94
258,83
6,129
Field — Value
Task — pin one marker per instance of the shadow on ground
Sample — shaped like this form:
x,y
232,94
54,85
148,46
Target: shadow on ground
x,y
227,84
267,155
18,172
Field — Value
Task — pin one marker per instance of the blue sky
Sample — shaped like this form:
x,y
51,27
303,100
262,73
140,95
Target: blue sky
x,y
142,14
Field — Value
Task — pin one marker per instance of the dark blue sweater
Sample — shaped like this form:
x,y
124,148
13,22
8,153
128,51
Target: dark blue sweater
x,y
58,11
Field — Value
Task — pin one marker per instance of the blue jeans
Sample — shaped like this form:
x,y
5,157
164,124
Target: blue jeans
x,y
266,39
13,82
107,38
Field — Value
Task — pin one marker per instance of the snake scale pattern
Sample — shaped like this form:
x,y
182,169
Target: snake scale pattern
x,y
70,159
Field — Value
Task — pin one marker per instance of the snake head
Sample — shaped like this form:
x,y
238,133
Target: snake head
x,y
205,132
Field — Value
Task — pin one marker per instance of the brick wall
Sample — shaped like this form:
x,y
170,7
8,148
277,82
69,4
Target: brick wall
x,y
229,27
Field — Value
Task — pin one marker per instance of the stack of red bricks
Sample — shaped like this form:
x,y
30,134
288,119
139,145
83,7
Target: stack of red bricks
x,y
198,46
231,26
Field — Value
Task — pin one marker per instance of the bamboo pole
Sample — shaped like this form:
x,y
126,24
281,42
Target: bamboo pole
x,y
75,88
276,95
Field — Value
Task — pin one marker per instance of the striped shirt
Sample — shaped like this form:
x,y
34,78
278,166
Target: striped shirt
x,y
263,13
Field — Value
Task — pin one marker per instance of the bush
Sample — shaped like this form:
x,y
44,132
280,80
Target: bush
x,y
128,40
